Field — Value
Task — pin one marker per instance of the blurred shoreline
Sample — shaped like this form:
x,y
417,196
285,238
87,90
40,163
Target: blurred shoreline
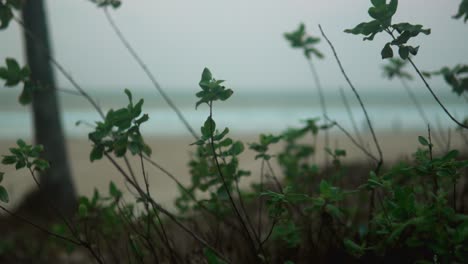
x,y
173,153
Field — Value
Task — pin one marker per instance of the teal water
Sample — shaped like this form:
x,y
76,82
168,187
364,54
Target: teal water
x,y
246,112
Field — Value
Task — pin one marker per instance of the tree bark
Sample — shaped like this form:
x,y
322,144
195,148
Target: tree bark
x,y
56,184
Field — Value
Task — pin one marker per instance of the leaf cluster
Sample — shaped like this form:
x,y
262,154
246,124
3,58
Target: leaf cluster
x,y
415,212
300,39
6,11
456,77
26,156
14,75
22,156
395,68
212,90
462,11
120,131
382,14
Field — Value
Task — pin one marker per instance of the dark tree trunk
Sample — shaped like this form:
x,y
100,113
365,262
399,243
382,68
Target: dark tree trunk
x,y
56,183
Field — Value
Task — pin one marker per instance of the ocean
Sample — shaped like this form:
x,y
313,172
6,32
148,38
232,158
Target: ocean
x,y
246,112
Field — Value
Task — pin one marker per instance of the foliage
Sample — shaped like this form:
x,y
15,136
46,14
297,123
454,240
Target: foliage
x,y
207,174
306,208
462,11
395,68
22,156
300,39
6,11
14,75
382,13
456,77
120,131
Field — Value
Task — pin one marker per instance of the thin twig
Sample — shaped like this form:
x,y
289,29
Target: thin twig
x,y
62,69
379,150
420,109
351,116
435,96
164,211
323,104
225,185
40,228
148,73
353,140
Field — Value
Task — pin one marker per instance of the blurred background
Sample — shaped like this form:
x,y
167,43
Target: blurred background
x,y
241,42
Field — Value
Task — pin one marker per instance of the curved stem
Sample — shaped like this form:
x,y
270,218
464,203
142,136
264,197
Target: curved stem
x,y
323,104
421,112
62,70
164,211
351,117
379,150
435,96
149,74
226,187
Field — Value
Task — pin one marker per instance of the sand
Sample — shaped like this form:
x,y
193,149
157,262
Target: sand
x,y
173,154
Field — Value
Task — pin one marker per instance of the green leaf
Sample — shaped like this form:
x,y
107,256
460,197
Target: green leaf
x,y
20,164
21,143
462,11
96,153
114,191
353,248
142,119
340,152
378,3
387,51
129,95
404,52
4,195
41,164
208,128
5,16
366,28
236,148
13,66
206,76
7,160
27,94
423,141
226,142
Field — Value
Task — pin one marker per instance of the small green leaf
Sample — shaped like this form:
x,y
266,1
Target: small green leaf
x,y
7,160
21,143
113,191
404,52
4,195
387,51
423,141
208,128
129,95
353,248
5,16
236,148
27,94
206,75
96,153
462,11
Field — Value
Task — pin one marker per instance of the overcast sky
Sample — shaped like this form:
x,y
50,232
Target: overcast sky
x,y
240,41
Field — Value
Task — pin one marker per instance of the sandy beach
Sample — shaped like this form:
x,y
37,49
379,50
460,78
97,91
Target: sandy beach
x,y
173,154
